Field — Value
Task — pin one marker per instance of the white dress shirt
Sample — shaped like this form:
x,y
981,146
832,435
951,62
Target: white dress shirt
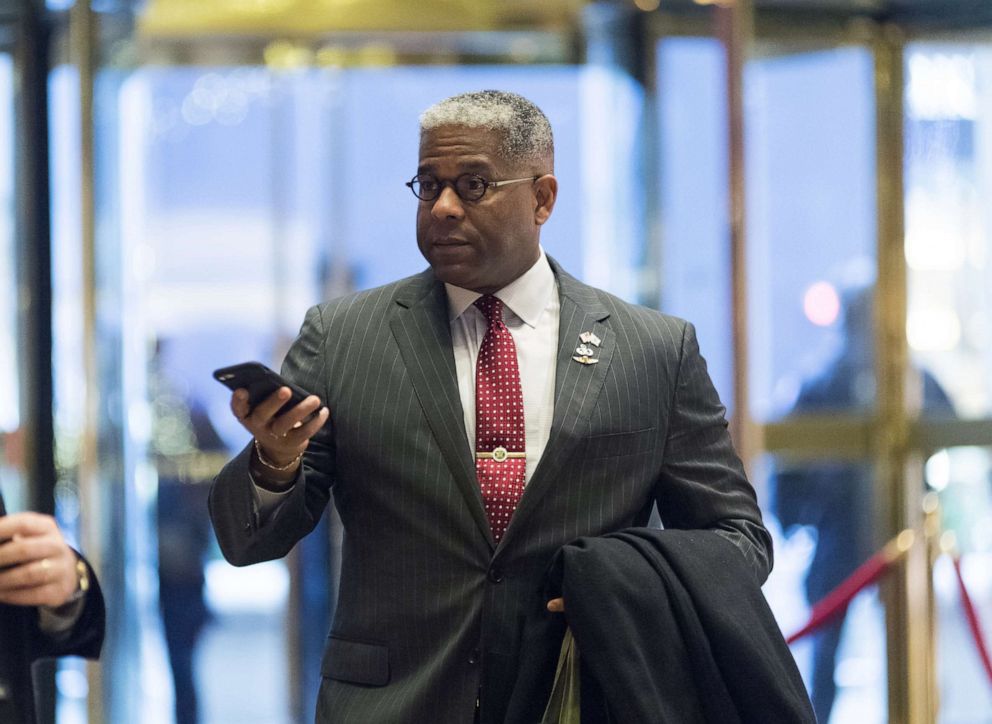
x,y
531,314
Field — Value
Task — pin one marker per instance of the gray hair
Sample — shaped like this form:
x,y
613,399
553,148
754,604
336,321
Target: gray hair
x,y
525,130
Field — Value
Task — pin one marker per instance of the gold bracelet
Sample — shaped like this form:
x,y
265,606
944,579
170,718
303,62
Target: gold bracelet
x,y
283,468
82,582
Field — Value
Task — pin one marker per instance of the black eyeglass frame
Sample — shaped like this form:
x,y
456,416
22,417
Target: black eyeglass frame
x,y
486,185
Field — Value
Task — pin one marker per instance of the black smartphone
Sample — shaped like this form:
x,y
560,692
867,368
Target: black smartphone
x,y
260,381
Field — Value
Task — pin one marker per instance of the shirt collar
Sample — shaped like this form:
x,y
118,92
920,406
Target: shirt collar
x,y
527,296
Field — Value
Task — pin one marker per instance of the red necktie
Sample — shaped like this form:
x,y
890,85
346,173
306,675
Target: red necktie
x,y
500,460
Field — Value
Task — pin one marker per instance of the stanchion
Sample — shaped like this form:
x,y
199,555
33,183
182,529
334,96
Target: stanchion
x,y
836,602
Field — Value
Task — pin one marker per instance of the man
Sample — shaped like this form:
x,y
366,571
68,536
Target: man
x,y
183,435
50,605
836,497
478,416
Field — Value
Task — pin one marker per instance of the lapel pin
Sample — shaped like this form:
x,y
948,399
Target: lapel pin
x,y
590,338
585,359
584,351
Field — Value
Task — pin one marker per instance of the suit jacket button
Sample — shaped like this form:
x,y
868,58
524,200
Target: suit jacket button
x,y
495,575
473,658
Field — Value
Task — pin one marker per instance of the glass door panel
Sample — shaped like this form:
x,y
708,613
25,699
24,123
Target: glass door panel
x,y
810,164
949,328
811,218
210,208
693,168
948,219
961,475
11,457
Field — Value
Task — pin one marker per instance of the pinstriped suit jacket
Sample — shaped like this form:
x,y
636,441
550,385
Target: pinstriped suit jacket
x,y
430,612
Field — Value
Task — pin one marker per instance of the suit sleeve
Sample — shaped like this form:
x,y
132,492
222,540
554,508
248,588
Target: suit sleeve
x,y
702,482
243,537
84,638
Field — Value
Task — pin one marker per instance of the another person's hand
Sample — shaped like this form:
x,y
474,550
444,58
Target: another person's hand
x,y
37,567
556,605
280,440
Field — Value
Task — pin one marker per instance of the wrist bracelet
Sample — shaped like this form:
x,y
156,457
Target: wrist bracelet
x,y
280,468
82,582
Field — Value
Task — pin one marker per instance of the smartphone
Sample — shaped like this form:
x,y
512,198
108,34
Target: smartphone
x,y
260,381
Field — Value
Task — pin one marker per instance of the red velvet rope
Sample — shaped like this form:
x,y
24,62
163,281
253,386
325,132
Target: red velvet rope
x,y
973,623
836,602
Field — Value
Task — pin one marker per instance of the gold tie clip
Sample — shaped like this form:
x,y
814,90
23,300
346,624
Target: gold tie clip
x,y
499,455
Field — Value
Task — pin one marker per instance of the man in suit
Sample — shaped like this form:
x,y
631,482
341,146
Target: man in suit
x,y
836,497
50,605
453,500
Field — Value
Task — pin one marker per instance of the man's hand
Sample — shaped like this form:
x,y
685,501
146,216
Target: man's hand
x,y
281,439
556,605
37,567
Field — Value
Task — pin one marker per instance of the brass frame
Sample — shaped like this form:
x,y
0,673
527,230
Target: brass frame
x,y
735,27
910,690
82,37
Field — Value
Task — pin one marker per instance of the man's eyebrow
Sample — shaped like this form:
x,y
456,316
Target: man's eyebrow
x,y
474,166
480,167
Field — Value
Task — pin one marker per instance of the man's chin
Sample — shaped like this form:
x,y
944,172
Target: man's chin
x,y
455,275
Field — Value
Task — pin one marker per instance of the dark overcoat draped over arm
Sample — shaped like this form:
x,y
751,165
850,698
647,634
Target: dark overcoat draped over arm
x,y
672,627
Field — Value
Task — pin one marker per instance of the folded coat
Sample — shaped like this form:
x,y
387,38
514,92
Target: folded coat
x,y
671,626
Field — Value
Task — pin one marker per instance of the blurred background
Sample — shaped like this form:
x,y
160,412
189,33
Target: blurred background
x,y
808,181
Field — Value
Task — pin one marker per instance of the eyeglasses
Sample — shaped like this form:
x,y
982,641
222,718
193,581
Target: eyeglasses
x,y
468,186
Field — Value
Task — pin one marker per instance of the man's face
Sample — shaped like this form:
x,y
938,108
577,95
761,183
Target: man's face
x,y
480,245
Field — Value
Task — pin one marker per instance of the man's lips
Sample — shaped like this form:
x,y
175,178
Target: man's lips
x,y
447,247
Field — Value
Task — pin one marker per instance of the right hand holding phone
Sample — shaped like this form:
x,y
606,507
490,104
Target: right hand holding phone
x,y
281,439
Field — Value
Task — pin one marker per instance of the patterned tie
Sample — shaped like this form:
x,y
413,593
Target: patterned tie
x,y
500,459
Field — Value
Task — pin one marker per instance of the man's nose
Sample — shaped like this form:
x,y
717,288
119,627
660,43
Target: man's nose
x,y
447,205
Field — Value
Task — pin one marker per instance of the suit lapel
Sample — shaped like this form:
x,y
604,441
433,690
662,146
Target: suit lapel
x,y
423,333
577,388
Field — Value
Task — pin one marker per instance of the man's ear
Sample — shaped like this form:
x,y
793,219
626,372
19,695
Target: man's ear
x,y
545,193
